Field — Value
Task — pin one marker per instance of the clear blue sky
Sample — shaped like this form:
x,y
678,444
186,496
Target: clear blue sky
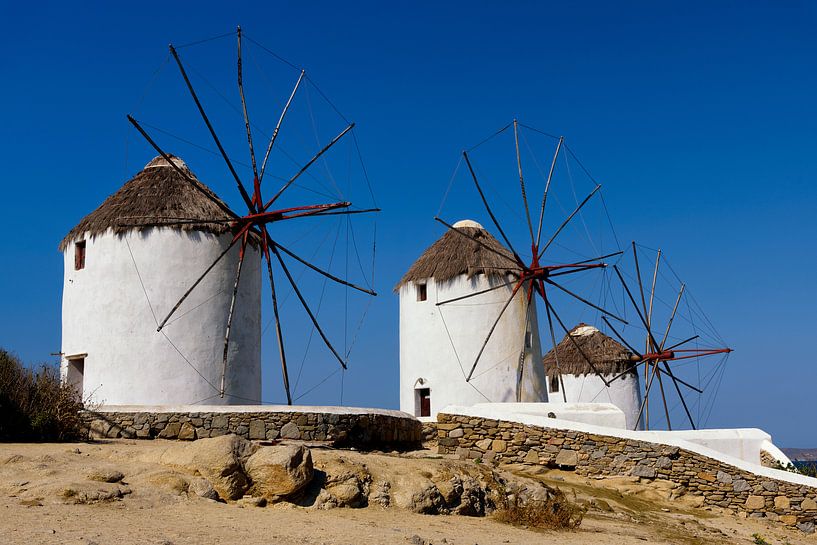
x,y
699,119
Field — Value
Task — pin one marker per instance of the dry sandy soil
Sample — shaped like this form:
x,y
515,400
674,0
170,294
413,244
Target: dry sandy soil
x,y
33,511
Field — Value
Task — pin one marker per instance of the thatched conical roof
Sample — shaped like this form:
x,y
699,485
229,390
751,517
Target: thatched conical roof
x,y
608,355
454,254
150,199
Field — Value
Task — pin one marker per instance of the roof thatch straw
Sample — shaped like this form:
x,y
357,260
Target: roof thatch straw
x,y
154,197
454,254
607,355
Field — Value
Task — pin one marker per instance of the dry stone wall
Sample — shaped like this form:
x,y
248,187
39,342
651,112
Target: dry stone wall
x,y
366,430
718,483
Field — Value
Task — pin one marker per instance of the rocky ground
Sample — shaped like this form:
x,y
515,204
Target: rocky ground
x,y
227,490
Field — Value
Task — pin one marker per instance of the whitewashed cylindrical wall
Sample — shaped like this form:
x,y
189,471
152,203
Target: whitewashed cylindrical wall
x,y
438,345
624,393
131,281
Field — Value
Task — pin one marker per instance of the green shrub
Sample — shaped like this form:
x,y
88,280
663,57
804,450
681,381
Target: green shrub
x,y
34,405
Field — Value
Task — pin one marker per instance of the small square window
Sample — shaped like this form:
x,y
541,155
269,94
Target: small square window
x,y
529,340
422,292
79,255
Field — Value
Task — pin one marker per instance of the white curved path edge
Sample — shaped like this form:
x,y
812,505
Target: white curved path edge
x,y
232,409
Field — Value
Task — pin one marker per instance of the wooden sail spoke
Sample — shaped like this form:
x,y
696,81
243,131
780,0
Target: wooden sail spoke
x,y
488,208
664,400
600,258
305,305
555,352
641,288
278,127
278,330
520,371
568,220
327,274
585,301
672,317
307,165
522,181
476,293
256,194
195,284
179,170
621,338
675,381
547,188
676,345
575,343
230,314
646,396
511,263
241,189
491,332
635,305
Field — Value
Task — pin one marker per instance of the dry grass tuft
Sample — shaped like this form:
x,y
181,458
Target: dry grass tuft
x,y
555,513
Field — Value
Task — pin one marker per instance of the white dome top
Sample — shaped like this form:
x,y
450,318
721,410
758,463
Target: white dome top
x,y
468,223
583,330
161,162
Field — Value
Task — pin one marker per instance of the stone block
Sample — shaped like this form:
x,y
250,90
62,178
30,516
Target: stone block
x,y
663,462
447,427
484,444
671,452
532,457
641,470
789,520
782,502
219,422
806,527
740,486
567,458
499,445
171,431
456,433
187,432
771,486
290,430
708,477
114,431
620,460
724,478
808,504
258,429
755,502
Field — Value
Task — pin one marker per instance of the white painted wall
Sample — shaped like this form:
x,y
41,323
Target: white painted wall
x,y
438,345
598,414
624,393
105,313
